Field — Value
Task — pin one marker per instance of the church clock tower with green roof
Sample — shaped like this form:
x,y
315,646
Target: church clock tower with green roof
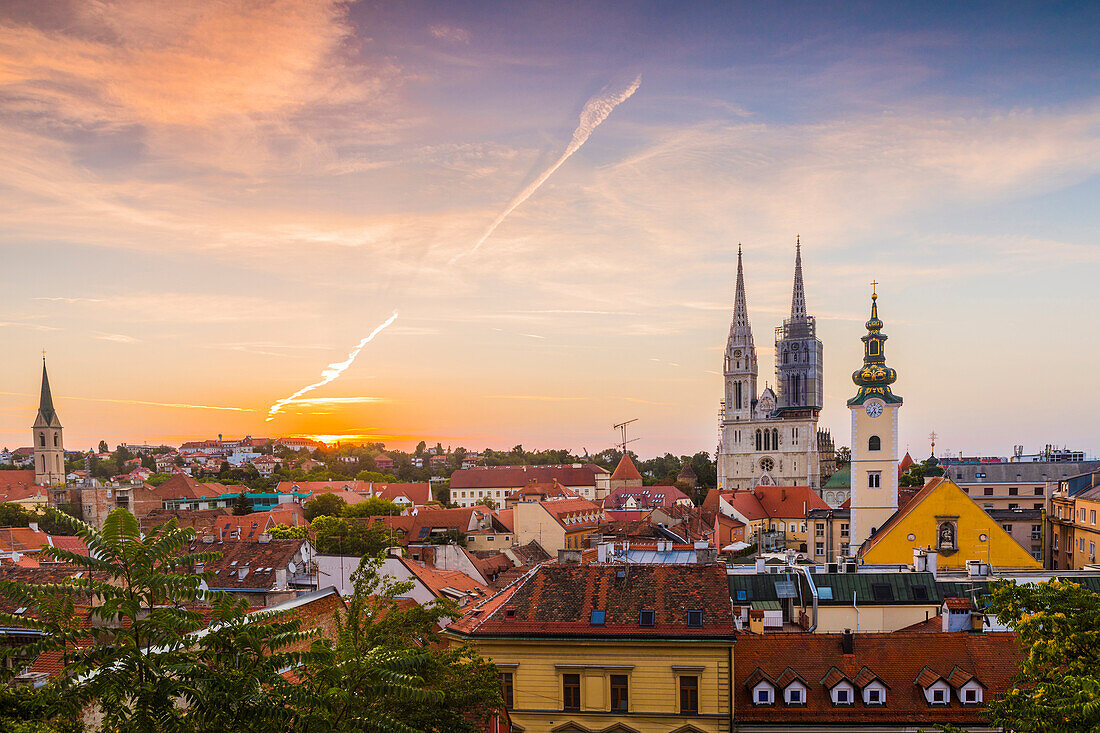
x,y
874,437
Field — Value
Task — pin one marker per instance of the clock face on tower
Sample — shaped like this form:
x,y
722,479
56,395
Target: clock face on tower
x,y
874,408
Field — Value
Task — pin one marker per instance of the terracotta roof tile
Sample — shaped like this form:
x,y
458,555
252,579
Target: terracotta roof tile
x,y
505,477
904,662
626,470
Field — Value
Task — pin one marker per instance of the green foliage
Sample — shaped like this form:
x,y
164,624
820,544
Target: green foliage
x,y
435,690
241,505
375,506
14,515
376,476
487,502
138,659
103,447
324,505
843,456
1058,629
157,479
343,536
286,532
913,477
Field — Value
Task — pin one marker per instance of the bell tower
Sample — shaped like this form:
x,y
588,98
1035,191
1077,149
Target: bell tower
x,y
740,373
49,449
874,436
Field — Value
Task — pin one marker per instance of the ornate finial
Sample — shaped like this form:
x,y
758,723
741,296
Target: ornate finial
x,y
738,249
874,378
874,290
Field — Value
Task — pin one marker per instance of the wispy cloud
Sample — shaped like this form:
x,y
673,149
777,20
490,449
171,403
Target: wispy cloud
x,y
118,338
534,397
450,33
331,373
146,403
595,111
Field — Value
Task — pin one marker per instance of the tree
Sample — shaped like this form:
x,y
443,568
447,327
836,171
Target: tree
x,y
1058,630
147,461
324,505
136,656
443,689
358,537
487,502
376,506
241,505
843,456
14,515
420,448
286,532
376,476
103,447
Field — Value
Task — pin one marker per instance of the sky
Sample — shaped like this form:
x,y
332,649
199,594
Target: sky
x,y
204,205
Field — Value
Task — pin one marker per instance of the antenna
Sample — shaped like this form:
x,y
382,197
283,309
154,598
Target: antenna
x,y
621,427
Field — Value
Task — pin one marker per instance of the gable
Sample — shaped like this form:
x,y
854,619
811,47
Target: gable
x,y
976,535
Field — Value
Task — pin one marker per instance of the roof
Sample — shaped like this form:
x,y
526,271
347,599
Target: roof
x,y
439,582
18,485
72,544
258,560
896,659
1017,472
875,589
646,497
902,512
316,487
506,477
558,600
182,486
22,539
841,479
506,518
775,502
626,470
422,521
419,493
573,512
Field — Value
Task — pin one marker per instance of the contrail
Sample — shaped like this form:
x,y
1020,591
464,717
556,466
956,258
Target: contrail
x,y
331,373
595,111
180,405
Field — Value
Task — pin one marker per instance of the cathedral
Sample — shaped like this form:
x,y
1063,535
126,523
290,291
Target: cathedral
x,y
770,437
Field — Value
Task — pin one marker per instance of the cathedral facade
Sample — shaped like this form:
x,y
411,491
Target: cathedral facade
x,y
771,437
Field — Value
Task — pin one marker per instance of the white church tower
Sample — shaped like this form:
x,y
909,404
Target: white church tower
x,y
874,436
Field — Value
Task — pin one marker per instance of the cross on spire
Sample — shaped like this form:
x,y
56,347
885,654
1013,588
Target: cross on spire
x,y
874,288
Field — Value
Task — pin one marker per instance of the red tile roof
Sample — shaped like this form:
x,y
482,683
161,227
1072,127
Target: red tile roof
x,y
573,513
505,477
316,487
775,502
260,559
439,581
18,485
22,539
555,600
645,497
626,470
72,544
902,661
418,493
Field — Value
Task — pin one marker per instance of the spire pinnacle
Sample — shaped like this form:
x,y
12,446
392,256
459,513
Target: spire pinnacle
x,y
46,412
798,296
740,305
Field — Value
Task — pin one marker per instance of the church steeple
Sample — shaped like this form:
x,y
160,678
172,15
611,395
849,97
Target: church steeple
x,y
798,295
47,415
740,360
874,378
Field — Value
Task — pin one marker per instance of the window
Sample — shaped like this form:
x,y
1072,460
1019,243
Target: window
x,y
1055,542
794,695
571,692
874,479
1039,506
841,696
1013,491
42,440
1038,490
843,530
506,689
1092,549
619,701
646,617
920,592
938,697
882,592
689,695
819,530
598,617
874,697
1092,517
763,695
1081,544
1036,531
1007,528
874,443
55,439
819,548
988,491
971,696
695,618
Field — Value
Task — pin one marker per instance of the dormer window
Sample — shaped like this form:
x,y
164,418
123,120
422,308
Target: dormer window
x,y
646,617
795,695
598,617
695,619
842,695
874,695
763,694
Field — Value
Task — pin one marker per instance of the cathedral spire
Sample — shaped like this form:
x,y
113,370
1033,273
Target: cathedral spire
x,y
798,296
741,327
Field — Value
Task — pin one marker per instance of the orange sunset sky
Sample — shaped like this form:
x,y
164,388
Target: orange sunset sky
x,y
205,204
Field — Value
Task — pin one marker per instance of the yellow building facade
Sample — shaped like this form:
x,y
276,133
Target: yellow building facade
x,y
584,648
942,517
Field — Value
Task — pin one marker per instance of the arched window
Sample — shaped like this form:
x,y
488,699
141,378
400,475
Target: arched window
x,y
767,439
874,443
56,439
758,446
42,440
775,438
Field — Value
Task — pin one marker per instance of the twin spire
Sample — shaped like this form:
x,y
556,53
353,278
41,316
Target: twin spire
x,y
740,306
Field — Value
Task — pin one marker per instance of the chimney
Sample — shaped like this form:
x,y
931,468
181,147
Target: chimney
x,y
761,565
847,642
569,557
706,555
